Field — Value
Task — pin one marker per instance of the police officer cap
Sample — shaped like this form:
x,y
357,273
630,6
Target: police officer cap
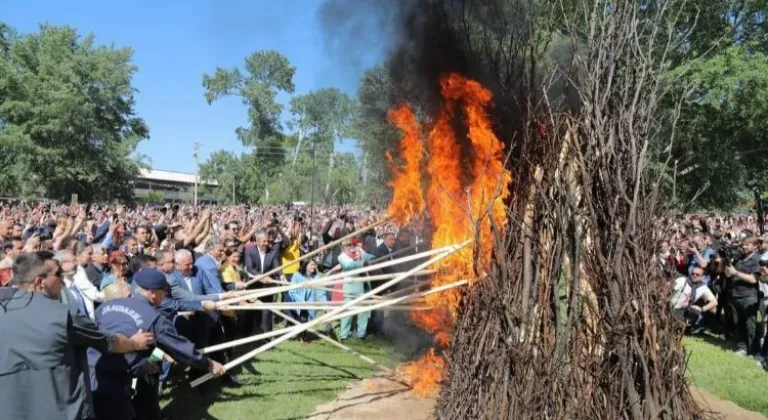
x,y
150,279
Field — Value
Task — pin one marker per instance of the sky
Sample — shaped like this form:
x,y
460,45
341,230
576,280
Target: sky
x,y
175,42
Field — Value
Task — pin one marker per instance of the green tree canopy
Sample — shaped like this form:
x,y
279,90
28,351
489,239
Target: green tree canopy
x,y
67,117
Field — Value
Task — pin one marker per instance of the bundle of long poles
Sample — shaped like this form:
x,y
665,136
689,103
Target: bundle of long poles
x,y
335,312
336,278
351,312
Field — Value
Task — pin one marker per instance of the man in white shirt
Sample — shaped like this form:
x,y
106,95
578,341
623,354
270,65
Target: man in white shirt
x,y
691,298
76,280
763,247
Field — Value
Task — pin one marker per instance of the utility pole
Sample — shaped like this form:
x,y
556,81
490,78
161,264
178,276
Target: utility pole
x,y
312,187
197,168
233,192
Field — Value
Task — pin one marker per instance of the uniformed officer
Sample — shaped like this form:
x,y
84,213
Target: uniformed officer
x,y
111,375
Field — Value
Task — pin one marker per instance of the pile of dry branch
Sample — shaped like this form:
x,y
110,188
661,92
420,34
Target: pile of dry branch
x,y
572,323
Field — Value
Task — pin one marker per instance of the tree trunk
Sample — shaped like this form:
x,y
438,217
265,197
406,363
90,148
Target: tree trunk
x,y
328,181
298,145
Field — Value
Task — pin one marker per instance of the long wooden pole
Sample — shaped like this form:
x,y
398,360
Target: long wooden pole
x,y
345,280
246,340
299,329
268,307
325,289
323,281
317,251
398,252
311,285
336,343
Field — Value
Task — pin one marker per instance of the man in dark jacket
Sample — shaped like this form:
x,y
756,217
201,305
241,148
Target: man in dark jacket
x,y
42,364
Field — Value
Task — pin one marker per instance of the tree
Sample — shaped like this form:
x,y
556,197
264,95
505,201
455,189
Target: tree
x,y
153,197
373,132
321,117
722,141
67,117
719,141
267,173
229,169
268,72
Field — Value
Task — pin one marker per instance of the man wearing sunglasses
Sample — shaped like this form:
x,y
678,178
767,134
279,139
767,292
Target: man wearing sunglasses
x,y
691,299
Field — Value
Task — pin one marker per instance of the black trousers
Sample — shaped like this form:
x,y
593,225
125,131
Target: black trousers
x,y
229,327
112,395
746,313
146,402
256,322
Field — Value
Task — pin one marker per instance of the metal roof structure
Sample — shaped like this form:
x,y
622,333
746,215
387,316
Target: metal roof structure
x,y
172,176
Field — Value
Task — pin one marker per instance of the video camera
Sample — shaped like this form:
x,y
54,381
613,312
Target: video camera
x,y
730,254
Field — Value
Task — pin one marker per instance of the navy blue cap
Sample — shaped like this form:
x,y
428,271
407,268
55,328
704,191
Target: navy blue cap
x,y
150,279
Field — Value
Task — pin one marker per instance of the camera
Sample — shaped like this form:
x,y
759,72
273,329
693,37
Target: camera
x,y
44,234
730,254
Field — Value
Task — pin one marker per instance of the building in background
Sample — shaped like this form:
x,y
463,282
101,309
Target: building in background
x,y
174,186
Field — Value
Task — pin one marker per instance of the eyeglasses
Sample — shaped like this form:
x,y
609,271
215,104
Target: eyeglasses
x,y
697,274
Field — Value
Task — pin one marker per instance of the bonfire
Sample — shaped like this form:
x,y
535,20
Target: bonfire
x,y
460,205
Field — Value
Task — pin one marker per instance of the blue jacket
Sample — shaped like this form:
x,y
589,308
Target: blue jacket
x,y
181,298
207,280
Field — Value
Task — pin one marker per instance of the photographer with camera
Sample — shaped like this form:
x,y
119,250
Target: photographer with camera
x,y
744,276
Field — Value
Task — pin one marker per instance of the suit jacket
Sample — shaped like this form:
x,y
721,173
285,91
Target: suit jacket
x,y
254,265
208,280
181,298
42,375
180,290
380,252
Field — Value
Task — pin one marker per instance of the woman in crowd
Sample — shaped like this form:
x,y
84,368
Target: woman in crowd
x,y
231,276
307,272
119,270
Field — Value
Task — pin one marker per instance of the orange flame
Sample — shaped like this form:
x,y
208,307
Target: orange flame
x,y
460,205
426,373
408,199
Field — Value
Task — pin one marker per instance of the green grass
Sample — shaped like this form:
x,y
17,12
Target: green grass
x,y
292,380
727,375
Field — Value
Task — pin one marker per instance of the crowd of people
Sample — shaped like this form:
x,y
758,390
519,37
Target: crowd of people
x,y
717,268
99,303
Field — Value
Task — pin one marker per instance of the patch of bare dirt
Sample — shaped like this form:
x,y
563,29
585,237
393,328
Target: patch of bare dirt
x,y
378,397
381,397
